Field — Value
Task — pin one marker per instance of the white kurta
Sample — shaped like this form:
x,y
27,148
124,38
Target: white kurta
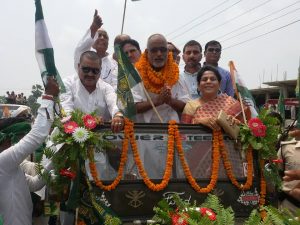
x,y
15,199
103,99
167,113
109,67
190,80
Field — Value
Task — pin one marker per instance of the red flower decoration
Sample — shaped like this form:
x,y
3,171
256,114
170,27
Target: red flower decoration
x,y
278,161
89,121
67,173
254,123
208,212
70,127
257,127
178,220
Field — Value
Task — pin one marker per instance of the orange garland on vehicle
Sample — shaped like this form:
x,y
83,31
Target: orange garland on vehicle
x,y
123,160
174,138
154,80
215,164
228,166
169,164
80,222
263,189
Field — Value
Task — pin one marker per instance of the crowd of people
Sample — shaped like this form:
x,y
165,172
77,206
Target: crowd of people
x,y
193,95
13,98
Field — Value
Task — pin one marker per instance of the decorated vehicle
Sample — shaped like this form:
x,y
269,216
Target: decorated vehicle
x,y
150,162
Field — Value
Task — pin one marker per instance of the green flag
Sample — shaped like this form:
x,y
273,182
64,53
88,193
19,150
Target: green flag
x,y
128,77
1,220
43,48
280,106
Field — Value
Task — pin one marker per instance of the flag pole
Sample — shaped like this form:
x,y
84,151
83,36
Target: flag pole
x,y
298,95
238,94
126,67
242,106
151,102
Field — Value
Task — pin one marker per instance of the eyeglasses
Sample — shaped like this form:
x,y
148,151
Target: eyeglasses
x,y
216,50
87,69
156,49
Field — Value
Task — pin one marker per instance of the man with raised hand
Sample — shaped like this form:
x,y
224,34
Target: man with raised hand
x,y
15,187
97,38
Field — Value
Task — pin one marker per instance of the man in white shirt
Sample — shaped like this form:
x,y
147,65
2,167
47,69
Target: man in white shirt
x,y
160,75
192,55
97,38
89,93
15,187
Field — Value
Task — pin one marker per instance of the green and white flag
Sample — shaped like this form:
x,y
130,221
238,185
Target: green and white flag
x,y
43,48
128,77
280,106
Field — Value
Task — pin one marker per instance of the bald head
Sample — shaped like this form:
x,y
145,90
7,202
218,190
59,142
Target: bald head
x,y
120,38
156,37
157,51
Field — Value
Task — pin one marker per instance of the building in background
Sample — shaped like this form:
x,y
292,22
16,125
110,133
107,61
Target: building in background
x,y
269,95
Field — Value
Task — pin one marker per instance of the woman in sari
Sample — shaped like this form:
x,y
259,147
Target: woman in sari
x,y
206,108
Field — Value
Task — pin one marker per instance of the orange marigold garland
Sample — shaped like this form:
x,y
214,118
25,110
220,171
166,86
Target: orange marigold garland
x,y
153,80
215,164
263,189
174,137
228,167
80,222
123,160
170,154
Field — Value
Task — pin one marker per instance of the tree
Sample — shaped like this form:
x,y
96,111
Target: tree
x,y
2,99
37,91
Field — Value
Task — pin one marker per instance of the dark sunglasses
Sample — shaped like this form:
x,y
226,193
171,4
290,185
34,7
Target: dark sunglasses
x,y
216,50
87,69
156,49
